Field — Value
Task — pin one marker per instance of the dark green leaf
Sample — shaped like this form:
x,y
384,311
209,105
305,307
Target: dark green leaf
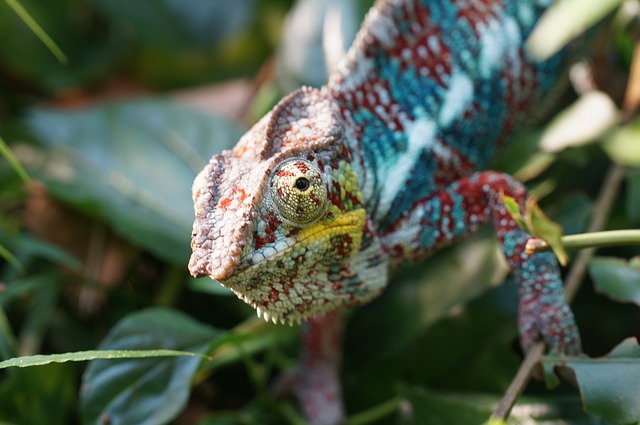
x,y
131,165
91,54
11,259
28,245
609,385
617,278
145,391
429,408
38,395
179,24
29,284
208,286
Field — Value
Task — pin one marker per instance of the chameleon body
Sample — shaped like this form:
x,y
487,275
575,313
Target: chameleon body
x,y
336,187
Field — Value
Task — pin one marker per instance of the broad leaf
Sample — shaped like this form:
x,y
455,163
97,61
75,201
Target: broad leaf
x,y
568,19
619,279
609,385
587,119
432,408
132,165
145,391
622,145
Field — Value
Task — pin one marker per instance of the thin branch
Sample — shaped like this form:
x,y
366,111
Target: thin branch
x,y
589,240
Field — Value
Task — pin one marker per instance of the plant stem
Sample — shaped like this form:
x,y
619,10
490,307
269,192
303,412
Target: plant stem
x,y
591,240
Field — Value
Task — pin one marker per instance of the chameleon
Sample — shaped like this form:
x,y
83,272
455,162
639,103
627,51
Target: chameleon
x,y
338,186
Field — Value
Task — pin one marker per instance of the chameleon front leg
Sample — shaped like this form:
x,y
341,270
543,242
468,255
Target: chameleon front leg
x,y
316,382
462,208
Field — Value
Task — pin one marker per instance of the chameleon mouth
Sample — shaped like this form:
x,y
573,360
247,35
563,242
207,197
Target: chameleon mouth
x,y
292,283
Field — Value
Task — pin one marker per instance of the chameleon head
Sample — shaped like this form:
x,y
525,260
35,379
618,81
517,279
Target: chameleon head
x,y
279,217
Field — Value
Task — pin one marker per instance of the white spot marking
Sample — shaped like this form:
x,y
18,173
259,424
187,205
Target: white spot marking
x,y
421,134
457,98
499,41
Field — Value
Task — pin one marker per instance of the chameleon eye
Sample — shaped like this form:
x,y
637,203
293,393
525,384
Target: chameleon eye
x,y
298,191
302,184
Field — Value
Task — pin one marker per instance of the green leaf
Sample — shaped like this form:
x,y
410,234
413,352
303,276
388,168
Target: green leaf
x,y
208,286
132,165
82,356
170,24
38,395
587,119
11,259
618,279
544,228
431,408
29,284
609,385
437,408
145,391
92,52
512,207
565,21
622,145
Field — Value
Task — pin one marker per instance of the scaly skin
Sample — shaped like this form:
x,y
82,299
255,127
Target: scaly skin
x,y
338,186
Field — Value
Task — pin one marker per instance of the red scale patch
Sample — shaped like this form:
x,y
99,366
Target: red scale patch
x,y
422,48
478,12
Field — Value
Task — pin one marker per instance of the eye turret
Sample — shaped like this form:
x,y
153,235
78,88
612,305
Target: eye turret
x,y
298,191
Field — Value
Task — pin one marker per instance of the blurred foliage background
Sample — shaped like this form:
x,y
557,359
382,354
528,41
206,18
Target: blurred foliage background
x,y
95,243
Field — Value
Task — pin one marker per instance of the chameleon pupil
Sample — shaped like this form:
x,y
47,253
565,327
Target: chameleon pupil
x,y
302,184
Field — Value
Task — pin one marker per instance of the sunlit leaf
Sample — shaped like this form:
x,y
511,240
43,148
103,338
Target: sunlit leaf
x,y
622,145
565,21
592,115
82,356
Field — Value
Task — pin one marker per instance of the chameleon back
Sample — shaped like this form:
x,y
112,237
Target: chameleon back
x,y
432,90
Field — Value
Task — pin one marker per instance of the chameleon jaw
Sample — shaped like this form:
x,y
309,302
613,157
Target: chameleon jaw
x,y
298,282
